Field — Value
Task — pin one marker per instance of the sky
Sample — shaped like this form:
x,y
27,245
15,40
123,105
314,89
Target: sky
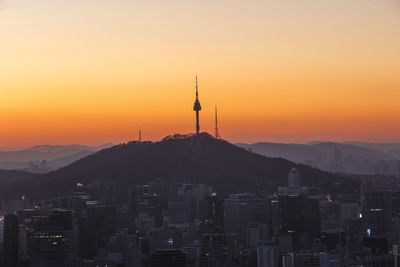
x,y
97,71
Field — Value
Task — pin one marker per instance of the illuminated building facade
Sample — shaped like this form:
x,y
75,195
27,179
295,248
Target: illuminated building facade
x,y
54,240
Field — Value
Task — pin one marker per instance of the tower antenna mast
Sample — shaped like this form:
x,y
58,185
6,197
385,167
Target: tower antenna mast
x,y
217,136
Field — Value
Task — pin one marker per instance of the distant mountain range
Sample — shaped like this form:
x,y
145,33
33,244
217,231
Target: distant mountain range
x,y
201,159
44,158
347,157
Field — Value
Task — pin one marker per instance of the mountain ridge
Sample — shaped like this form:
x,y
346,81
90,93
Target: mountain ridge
x,y
56,155
201,159
347,157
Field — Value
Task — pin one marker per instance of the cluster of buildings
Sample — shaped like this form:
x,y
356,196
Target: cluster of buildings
x,y
38,166
182,224
347,163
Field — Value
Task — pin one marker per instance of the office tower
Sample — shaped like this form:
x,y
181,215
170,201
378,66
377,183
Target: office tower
x,y
104,191
54,240
299,214
152,205
299,218
188,195
1,239
101,224
259,209
267,255
212,212
395,203
136,192
275,217
377,213
10,239
294,178
236,215
330,215
294,184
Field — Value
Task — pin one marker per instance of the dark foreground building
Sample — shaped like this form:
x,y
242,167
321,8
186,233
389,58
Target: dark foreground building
x,y
168,258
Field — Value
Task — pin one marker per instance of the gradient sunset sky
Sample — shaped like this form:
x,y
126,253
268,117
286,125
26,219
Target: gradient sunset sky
x,y
95,71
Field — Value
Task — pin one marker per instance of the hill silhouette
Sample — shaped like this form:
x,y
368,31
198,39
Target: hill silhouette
x,y
56,156
202,159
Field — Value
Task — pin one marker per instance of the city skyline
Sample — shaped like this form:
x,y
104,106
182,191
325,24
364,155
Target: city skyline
x,y
187,133
94,72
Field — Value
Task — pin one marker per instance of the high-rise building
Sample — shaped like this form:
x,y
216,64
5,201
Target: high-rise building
x,y
267,255
54,240
377,213
101,224
299,214
1,238
294,184
294,178
153,205
299,218
212,212
330,215
259,209
10,239
104,191
236,214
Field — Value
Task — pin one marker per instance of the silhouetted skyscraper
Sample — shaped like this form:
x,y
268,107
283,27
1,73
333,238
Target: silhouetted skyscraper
x,y
197,108
101,225
10,240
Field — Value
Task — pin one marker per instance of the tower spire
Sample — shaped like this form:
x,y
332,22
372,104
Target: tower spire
x,y
217,136
140,135
197,89
197,108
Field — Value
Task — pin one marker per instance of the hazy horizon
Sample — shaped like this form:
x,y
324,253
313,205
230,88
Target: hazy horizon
x,y
18,148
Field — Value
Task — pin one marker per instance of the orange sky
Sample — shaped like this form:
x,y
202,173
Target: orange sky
x,y
95,71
